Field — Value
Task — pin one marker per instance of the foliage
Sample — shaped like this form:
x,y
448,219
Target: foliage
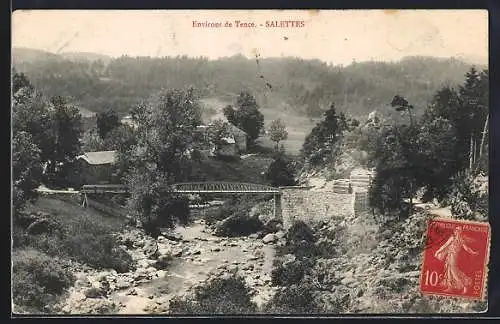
x,y
320,144
80,238
31,114
92,142
106,122
226,295
37,279
277,131
246,115
428,153
280,172
120,138
293,299
234,217
468,198
120,83
238,224
286,274
161,155
218,130
66,127
26,169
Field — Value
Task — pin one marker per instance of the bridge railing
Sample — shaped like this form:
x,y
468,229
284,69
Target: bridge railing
x,y
109,188
193,187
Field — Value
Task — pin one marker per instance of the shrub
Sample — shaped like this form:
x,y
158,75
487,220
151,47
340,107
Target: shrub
x,y
295,299
280,173
37,279
289,273
300,231
467,199
238,225
229,295
84,240
99,251
234,216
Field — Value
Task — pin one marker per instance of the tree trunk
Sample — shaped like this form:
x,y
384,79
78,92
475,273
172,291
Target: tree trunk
x,y
471,152
483,138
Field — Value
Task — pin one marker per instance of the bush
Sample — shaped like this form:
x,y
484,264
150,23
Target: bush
x,y
296,299
234,216
280,173
239,225
289,273
300,231
99,251
37,279
82,239
229,295
468,199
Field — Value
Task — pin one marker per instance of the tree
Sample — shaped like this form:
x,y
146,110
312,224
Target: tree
x,y
246,116
120,138
66,130
280,172
161,155
26,169
277,131
474,95
401,104
395,170
106,122
321,142
218,130
21,83
92,142
32,114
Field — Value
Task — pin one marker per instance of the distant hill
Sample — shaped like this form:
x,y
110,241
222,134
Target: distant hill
x,y
290,86
25,55
85,56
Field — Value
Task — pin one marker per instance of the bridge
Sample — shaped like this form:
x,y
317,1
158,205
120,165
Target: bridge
x,y
215,187
210,187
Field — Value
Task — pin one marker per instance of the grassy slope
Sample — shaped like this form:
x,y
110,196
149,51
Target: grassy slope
x,y
244,170
70,214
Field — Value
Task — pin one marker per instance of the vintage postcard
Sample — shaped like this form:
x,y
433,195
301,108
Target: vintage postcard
x,y
280,162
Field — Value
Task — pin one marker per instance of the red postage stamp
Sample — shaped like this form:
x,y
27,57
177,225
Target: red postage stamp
x,y
455,258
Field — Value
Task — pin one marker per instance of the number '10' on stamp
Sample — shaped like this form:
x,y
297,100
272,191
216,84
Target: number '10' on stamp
x,y
455,258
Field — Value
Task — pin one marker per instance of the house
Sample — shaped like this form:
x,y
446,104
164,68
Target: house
x,y
95,167
240,138
225,148
232,145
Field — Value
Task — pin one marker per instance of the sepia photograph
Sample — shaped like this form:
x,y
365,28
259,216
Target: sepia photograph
x,y
249,162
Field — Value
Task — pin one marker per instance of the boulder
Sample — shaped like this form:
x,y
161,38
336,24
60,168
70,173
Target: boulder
x,y
122,284
94,293
269,238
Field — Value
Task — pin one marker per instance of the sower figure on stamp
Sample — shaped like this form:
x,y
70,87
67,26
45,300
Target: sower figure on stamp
x,y
453,277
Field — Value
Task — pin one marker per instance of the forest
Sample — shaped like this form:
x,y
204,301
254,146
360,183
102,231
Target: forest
x,y
96,83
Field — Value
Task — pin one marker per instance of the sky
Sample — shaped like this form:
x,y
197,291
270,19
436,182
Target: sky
x,y
333,36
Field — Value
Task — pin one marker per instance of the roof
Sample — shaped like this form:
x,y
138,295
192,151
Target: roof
x,y
235,129
99,158
229,140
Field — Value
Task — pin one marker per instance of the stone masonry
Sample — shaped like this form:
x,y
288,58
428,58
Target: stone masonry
x,y
312,206
347,198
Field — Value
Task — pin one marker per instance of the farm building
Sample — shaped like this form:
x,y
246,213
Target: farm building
x,y
95,167
232,145
240,138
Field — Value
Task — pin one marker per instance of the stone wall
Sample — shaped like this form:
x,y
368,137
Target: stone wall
x,y
312,206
